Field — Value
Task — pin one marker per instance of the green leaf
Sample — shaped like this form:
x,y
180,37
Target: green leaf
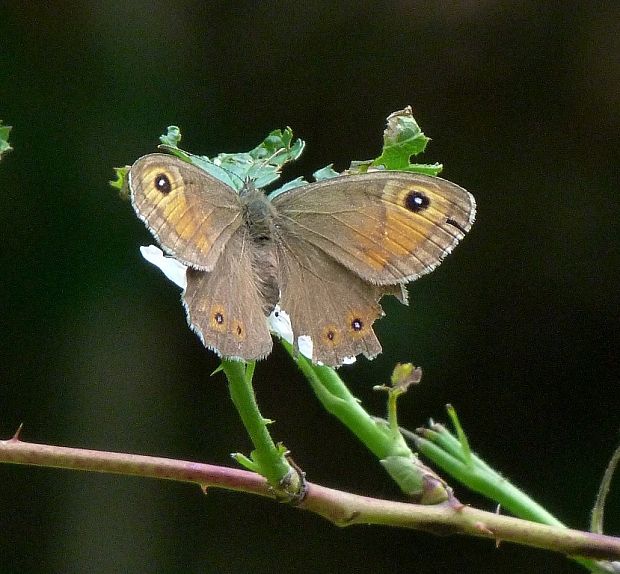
x,y
172,137
4,139
297,182
402,139
326,172
279,148
120,182
261,165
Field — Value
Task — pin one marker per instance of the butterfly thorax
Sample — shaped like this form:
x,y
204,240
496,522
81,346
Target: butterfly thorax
x,y
258,217
258,213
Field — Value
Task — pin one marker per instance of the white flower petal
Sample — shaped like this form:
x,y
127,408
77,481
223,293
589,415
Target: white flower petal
x,y
280,324
169,266
305,345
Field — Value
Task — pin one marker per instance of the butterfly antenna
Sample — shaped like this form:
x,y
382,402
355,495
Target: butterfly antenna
x,y
272,156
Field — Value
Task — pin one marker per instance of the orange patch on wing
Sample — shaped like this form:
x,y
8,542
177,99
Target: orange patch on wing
x,y
404,230
185,224
203,244
373,258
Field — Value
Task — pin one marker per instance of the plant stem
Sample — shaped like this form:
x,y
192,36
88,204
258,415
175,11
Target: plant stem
x,y
338,400
414,478
454,457
268,458
446,451
341,508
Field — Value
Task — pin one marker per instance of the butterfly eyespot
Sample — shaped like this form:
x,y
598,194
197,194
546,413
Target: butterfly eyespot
x,y
162,183
357,324
218,319
416,201
331,335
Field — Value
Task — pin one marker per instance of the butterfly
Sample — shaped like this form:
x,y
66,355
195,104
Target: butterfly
x,y
322,254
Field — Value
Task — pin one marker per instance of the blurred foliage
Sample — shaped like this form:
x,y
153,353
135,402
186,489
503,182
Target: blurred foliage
x,y
4,139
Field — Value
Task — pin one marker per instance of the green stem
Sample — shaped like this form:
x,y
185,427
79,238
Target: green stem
x,y
454,457
338,400
387,444
596,523
269,460
446,451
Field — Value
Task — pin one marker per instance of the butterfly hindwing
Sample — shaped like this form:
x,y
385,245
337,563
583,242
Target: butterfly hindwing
x,y
225,307
327,303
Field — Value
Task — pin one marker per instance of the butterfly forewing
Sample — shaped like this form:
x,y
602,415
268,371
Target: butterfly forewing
x,y
191,213
386,227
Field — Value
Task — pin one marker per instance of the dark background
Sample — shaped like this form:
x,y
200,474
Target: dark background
x,y
518,328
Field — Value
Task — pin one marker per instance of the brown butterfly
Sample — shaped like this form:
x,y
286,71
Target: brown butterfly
x,y
324,253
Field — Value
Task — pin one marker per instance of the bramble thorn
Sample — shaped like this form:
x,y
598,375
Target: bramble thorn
x,y
15,437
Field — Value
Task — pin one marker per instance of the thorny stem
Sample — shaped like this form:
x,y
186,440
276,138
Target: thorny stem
x,y
341,508
267,458
414,478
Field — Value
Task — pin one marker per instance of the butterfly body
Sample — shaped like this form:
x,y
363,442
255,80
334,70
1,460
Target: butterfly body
x,y
325,252
259,220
